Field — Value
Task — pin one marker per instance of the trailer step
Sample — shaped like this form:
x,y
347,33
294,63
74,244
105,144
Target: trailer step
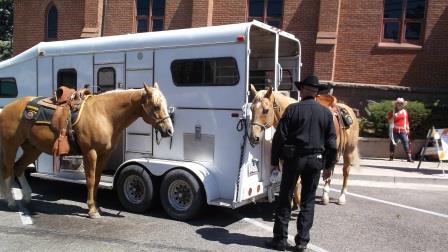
x,y
76,178
222,203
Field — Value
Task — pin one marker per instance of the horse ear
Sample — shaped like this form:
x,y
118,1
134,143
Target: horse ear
x,y
268,93
253,91
148,90
156,85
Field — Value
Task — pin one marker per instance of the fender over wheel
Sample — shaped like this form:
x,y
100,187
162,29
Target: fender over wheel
x,y
181,195
135,189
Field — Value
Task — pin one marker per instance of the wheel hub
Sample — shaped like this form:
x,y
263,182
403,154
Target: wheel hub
x,y
134,189
180,195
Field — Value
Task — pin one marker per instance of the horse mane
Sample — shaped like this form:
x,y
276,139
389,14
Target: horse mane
x,y
119,91
157,96
260,95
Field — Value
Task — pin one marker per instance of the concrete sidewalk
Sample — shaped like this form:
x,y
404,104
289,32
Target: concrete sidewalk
x,y
397,171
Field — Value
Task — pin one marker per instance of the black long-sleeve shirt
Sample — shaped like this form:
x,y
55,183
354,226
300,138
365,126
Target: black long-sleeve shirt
x,y
309,126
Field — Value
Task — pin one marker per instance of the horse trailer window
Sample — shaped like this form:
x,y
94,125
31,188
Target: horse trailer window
x,y
106,79
205,72
67,78
8,88
262,79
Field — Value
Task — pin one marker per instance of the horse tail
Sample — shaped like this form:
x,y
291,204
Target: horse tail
x,y
355,157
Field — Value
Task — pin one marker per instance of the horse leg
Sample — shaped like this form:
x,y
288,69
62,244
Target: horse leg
x,y
101,162
297,191
30,154
351,158
346,171
8,155
90,159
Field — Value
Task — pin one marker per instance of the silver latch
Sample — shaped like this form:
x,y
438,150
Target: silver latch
x,y
197,132
171,113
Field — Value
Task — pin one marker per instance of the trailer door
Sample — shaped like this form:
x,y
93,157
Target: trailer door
x,y
139,70
109,77
206,85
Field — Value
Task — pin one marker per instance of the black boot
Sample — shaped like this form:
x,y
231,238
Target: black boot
x,y
276,245
391,156
410,158
300,248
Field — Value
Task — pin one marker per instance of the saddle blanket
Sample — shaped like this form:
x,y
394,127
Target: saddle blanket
x,y
39,114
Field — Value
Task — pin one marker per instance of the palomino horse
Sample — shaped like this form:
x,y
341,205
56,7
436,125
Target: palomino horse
x,y
267,109
98,130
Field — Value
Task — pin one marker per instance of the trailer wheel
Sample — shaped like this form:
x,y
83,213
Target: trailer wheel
x,y
135,189
181,195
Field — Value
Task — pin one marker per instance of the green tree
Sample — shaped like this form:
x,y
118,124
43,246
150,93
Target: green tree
x,y
5,29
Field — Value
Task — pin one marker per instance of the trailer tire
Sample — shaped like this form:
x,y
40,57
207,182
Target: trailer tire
x,y
181,195
135,189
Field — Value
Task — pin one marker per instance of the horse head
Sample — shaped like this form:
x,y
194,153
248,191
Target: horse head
x,y
155,110
262,113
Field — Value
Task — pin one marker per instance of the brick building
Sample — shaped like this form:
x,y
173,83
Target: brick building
x,y
370,49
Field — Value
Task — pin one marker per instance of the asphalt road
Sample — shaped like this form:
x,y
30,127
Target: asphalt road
x,y
375,219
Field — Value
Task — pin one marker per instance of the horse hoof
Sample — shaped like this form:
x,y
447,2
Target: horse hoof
x,y
342,200
325,199
94,215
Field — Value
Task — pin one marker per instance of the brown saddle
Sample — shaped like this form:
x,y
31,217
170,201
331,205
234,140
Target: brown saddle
x,y
340,123
330,102
327,100
64,102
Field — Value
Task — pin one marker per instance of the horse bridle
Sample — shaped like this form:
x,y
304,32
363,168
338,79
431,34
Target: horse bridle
x,y
157,121
262,126
266,125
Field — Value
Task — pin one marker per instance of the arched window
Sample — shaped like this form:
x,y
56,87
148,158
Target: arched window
x,y
51,29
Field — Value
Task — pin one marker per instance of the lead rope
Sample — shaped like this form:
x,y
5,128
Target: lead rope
x,y
159,140
242,125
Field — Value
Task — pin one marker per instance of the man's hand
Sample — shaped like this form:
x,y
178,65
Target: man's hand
x,y
326,174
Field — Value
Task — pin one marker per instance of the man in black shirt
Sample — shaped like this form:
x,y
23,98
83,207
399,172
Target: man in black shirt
x,y
306,140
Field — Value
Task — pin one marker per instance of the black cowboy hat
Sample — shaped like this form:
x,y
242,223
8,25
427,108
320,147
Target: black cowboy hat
x,y
311,81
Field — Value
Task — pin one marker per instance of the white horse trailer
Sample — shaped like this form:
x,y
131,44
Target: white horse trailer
x,y
205,75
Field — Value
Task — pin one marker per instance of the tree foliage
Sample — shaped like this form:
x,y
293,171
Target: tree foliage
x,y
6,18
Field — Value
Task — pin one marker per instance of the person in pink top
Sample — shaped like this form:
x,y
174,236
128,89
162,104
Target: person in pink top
x,y
399,128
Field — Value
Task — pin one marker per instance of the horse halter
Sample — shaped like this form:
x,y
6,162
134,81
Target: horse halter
x,y
266,125
263,126
162,119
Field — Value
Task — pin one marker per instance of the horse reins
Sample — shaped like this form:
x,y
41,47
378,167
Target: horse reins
x,y
158,121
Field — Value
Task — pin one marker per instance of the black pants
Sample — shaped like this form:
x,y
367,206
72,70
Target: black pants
x,y
308,168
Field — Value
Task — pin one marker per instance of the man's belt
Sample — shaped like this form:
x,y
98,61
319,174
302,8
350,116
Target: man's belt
x,y
291,151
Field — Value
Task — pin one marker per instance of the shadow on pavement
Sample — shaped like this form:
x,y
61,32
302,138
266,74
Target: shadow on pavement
x,y
223,236
424,171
